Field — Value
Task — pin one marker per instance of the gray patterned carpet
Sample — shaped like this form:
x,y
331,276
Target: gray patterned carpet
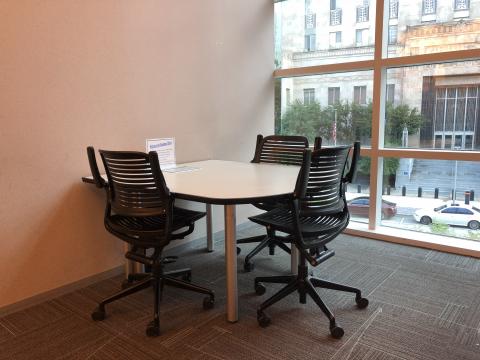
x,y
423,305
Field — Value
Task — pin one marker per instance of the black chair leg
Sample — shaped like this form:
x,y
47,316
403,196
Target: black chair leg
x,y
281,279
336,331
248,265
283,246
99,313
284,292
187,286
128,291
314,295
316,282
186,273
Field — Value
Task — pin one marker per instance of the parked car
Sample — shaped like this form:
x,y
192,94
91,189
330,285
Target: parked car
x,y
451,214
360,205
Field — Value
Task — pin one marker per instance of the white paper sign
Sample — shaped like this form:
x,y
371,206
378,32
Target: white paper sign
x,y
165,148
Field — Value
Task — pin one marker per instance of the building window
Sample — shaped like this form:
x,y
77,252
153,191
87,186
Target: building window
x,y
288,96
335,39
462,5
310,42
391,93
360,95
393,9
333,95
429,7
335,17
361,37
456,109
392,34
308,96
310,21
362,13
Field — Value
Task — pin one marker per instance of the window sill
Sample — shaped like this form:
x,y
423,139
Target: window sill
x,y
459,14
412,238
362,25
429,18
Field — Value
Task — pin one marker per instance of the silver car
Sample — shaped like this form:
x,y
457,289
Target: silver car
x,y
451,214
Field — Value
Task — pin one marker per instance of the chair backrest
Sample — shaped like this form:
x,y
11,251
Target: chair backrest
x,y
317,143
92,161
136,184
323,191
280,149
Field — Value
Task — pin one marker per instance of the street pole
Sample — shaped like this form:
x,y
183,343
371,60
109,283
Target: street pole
x,y
335,128
455,183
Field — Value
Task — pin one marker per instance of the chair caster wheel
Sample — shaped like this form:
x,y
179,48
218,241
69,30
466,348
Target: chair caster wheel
x,y
153,329
336,331
98,314
263,320
248,266
362,303
260,289
238,250
208,302
187,277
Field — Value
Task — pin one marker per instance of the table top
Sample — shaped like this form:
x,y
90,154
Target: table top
x,y
230,182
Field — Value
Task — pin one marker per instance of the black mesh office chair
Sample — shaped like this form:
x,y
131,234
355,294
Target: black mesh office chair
x,y
317,214
140,210
275,149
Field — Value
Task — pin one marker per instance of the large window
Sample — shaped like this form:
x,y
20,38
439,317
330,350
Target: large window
x,y
360,95
429,7
412,100
333,95
462,4
308,96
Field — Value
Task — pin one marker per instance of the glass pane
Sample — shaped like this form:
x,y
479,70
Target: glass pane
x,y
432,26
436,106
337,107
423,192
318,32
358,193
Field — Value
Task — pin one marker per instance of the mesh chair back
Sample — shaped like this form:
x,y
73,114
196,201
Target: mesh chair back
x,y
136,184
324,191
280,149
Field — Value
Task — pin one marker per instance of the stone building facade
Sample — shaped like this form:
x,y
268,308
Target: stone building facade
x,y
317,32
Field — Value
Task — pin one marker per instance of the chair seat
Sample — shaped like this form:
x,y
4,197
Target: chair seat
x,y
312,228
269,205
181,219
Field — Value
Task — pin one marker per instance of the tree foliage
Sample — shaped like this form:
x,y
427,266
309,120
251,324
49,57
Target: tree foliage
x,y
353,122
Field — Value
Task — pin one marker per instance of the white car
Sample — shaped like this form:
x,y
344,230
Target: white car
x,y
451,214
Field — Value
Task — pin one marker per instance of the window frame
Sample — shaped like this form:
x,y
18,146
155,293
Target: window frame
x,y
377,150
457,8
424,7
335,98
392,40
363,13
360,94
308,93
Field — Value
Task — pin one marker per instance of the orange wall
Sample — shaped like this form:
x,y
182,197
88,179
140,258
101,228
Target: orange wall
x,y
111,73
